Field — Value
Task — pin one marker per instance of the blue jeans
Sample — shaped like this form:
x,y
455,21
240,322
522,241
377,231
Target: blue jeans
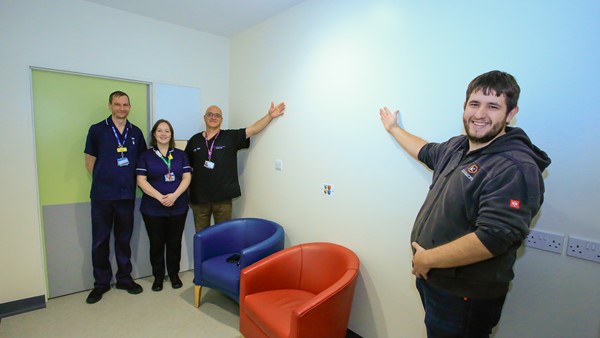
x,y
450,316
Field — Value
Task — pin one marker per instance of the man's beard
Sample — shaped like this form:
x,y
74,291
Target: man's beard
x,y
487,137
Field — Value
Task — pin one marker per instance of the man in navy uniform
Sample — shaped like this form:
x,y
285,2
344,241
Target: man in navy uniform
x,y
111,151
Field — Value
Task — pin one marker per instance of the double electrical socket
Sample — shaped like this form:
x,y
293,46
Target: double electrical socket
x,y
584,249
544,240
553,242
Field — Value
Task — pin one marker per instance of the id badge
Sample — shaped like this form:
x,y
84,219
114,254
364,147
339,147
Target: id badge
x,y
209,164
122,161
170,177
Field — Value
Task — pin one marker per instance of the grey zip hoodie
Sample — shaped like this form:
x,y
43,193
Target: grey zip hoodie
x,y
494,192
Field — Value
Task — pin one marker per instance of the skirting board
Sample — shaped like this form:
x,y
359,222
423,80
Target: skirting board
x,y
20,306
352,334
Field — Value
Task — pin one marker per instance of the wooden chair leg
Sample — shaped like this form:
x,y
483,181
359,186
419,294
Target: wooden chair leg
x,y
197,292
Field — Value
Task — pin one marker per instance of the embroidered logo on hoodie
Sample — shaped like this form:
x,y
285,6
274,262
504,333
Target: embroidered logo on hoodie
x,y
471,170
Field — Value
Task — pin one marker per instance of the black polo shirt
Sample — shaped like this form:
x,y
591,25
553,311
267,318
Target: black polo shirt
x,y
221,182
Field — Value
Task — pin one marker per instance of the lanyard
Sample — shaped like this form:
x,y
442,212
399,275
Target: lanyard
x,y
117,136
210,150
169,156
121,148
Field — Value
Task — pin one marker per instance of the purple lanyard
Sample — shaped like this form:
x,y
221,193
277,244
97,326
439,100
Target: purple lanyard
x,y
210,150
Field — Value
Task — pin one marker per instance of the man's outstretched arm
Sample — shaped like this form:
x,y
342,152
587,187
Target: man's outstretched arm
x,y
258,126
411,143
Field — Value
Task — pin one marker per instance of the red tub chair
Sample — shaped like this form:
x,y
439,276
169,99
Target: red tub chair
x,y
304,291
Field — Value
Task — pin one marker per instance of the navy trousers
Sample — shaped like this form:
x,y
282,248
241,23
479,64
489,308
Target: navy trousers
x,y
450,316
116,217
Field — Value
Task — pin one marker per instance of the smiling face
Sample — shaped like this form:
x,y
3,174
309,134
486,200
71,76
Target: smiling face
x,y
163,134
213,117
485,118
119,107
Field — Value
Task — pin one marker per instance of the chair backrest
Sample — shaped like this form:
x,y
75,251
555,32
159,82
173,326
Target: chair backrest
x,y
235,234
257,230
323,264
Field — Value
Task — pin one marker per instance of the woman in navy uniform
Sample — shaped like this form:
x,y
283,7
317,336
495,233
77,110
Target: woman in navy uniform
x,y
164,174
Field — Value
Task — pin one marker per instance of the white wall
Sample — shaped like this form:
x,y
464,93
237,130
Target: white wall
x,y
78,36
336,62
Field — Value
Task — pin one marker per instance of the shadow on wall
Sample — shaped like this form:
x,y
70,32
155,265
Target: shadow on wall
x,y
369,312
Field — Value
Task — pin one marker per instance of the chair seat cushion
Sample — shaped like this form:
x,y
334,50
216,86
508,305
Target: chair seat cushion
x,y
218,271
272,310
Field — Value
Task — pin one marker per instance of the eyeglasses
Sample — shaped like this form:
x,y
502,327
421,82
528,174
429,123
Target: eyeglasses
x,y
215,115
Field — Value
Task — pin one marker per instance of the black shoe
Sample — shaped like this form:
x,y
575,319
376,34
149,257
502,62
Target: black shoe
x,y
96,295
175,282
158,283
133,287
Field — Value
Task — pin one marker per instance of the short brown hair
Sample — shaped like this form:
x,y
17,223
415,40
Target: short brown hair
x,y
117,93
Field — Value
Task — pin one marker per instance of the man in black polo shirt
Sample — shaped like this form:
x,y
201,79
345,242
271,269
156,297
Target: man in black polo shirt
x,y
111,151
213,155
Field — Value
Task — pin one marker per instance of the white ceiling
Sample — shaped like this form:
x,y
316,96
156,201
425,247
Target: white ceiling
x,y
220,17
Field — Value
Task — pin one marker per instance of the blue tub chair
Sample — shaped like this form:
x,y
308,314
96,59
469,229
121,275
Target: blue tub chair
x,y
217,247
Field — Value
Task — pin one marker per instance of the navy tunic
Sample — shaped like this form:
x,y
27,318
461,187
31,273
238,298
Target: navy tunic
x,y
109,180
154,168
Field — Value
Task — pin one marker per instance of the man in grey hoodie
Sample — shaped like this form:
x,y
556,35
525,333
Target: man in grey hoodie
x,y
487,187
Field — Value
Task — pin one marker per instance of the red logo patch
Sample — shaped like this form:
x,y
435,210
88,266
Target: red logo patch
x,y
515,204
473,169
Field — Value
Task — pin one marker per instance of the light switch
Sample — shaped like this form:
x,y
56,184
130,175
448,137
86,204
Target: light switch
x,y
278,165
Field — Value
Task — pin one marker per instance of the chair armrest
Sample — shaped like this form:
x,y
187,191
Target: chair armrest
x,y
281,270
333,303
215,241
258,251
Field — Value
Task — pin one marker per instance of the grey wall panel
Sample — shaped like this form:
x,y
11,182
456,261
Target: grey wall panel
x,y
68,241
